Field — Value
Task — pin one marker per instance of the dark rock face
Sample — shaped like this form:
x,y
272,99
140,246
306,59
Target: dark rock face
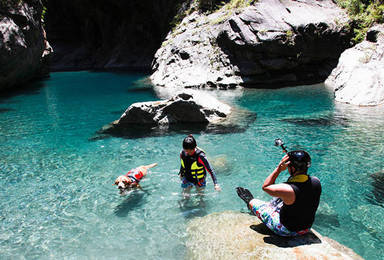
x,y
24,52
274,43
107,34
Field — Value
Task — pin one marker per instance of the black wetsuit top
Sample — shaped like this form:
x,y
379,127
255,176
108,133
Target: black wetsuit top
x,y
301,214
200,158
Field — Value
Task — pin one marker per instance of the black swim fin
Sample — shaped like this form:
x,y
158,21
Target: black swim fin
x,y
244,194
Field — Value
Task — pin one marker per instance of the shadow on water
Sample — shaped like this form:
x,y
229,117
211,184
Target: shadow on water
x,y
117,113
132,201
377,195
321,121
5,110
28,89
285,242
142,90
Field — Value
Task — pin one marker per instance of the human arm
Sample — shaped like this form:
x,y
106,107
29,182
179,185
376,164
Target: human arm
x,y
203,160
182,169
282,190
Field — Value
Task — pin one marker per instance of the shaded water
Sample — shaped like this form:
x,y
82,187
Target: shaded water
x,y
57,197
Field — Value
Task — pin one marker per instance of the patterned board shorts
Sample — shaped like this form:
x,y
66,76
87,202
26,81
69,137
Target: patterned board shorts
x,y
269,213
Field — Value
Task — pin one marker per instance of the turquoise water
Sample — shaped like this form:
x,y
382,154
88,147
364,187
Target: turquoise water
x,y
57,198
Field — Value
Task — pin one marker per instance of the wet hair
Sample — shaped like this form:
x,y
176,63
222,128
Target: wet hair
x,y
189,142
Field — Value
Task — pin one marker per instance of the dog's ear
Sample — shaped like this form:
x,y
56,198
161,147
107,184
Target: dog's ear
x,y
126,182
116,182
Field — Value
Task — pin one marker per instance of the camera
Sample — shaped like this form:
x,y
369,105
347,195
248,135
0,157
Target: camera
x,y
279,142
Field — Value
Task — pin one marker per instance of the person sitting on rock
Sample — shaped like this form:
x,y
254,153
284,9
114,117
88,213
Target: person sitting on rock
x,y
194,167
292,211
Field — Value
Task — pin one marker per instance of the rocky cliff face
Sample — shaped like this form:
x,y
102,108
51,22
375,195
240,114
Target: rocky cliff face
x,y
271,44
359,76
107,34
23,48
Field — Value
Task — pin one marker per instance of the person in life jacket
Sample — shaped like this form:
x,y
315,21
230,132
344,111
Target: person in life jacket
x,y
194,167
292,211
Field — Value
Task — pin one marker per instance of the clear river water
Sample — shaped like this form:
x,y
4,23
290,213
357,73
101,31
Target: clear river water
x,y
56,173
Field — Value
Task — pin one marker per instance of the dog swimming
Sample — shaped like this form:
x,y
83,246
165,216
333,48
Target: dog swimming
x,y
130,181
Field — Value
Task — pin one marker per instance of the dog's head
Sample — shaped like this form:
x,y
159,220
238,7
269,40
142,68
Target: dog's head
x,y
123,182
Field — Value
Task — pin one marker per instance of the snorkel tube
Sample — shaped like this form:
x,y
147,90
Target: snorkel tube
x,y
279,142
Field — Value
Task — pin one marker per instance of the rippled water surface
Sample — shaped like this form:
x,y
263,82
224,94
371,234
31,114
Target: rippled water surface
x,y
56,173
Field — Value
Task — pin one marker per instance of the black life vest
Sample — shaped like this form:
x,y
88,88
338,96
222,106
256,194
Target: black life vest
x,y
301,214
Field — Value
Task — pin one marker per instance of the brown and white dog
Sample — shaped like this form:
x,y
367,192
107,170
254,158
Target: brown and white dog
x,y
132,178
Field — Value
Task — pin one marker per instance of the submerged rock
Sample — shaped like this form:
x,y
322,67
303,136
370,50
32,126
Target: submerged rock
x,y
320,121
273,43
378,188
359,77
232,235
24,50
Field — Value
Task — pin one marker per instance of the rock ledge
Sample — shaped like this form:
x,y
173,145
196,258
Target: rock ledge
x,y
233,235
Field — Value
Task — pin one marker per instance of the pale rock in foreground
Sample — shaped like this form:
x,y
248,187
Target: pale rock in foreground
x,y
227,235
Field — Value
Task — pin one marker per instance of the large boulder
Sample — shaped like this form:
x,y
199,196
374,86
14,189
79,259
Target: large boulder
x,y
359,77
182,108
190,110
24,50
272,43
232,235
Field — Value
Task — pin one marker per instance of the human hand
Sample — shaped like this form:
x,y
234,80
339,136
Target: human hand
x,y
217,187
283,164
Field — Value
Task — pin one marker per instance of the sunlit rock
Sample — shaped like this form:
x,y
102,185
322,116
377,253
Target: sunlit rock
x,y
232,235
186,107
359,77
272,43
190,110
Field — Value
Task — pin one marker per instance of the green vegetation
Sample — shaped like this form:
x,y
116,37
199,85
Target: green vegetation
x,y
43,13
210,6
364,14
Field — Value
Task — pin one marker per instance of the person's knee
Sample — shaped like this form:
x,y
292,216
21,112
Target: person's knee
x,y
256,203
